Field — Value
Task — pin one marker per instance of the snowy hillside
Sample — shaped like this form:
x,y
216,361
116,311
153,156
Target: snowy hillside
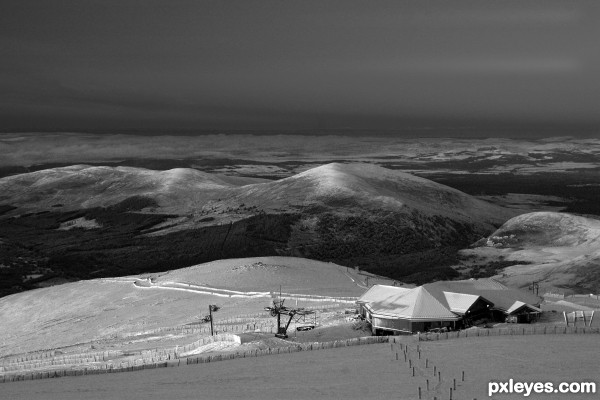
x,y
105,312
562,251
183,191
82,186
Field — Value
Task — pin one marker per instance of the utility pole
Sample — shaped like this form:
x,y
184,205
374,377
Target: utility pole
x,y
211,308
535,287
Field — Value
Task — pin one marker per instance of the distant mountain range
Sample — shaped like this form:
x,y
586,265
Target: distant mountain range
x,y
335,187
276,156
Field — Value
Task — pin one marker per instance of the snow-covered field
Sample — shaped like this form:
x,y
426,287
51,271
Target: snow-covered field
x,y
128,312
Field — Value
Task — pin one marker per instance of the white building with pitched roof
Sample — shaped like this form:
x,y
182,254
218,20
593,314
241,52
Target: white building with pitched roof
x,y
404,310
452,304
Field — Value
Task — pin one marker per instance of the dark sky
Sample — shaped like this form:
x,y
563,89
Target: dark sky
x,y
441,66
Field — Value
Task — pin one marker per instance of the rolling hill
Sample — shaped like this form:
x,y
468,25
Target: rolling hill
x,y
368,186
82,186
560,251
185,190
83,222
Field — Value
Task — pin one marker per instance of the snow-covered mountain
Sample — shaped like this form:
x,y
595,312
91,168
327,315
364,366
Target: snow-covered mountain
x,y
182,191
83,186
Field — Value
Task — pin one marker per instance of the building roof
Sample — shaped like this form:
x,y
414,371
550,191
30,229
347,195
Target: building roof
x,y
413,304
445,300
501,296
460,303
483,283
381,292
519,305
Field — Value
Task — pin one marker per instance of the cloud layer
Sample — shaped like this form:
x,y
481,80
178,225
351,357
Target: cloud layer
x,y
110,65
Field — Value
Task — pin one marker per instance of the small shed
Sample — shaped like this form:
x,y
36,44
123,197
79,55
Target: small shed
x,y
521,312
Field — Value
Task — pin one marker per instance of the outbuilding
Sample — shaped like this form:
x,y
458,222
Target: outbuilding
x,y
506,304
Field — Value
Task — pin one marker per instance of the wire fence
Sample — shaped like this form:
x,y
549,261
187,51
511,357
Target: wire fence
x,y
572,296
531,330
110,359
257,322
426,374
142,364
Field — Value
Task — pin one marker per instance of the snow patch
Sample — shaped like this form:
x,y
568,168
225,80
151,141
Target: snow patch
x,y
81,222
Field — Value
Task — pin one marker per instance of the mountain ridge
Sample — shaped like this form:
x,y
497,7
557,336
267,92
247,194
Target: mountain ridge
x,y
184,190
387,222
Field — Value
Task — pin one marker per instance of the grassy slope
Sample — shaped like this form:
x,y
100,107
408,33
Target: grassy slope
x,y
350,373
345,373
544,358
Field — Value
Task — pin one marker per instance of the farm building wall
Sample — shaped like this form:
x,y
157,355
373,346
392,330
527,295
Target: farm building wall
x,y
391,324
498,316
405,325
362,310
424,326
523,317
480,309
